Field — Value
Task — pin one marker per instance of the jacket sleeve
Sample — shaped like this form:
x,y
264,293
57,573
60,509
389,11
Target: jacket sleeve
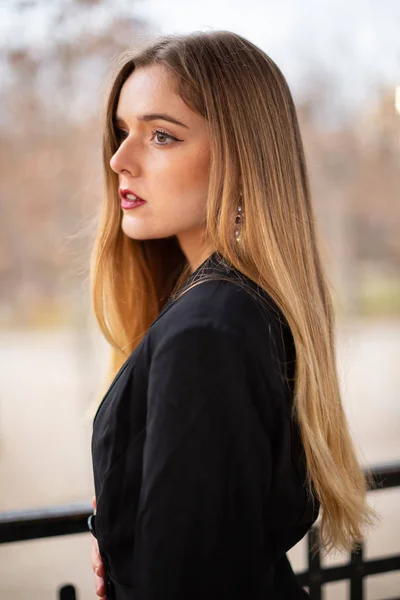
x,y
206,472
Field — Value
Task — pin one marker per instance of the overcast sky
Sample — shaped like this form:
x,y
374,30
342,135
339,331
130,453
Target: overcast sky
x,y
355,43
358,41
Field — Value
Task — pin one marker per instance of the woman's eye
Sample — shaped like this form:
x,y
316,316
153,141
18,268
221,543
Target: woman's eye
x,y
162,136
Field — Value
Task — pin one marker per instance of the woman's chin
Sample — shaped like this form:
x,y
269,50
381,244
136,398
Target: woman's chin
x,y
137,231
133,228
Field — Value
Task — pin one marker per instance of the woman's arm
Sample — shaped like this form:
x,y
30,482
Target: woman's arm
x,y
206,473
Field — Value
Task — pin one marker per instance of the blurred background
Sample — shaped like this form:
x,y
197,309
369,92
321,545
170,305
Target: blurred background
x,y
342,63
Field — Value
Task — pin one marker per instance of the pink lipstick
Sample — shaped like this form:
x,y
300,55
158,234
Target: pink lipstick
x,y
129,199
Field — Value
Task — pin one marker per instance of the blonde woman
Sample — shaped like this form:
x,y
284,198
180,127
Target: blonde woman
x,y
222,436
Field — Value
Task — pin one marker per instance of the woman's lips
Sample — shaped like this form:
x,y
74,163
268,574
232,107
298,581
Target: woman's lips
x,y
129,199
128,204
127,194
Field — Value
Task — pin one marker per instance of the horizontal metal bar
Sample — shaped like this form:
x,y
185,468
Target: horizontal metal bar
x,y
69,519
386,475
22,525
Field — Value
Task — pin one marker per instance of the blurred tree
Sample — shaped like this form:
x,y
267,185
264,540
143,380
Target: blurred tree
x,y
50,139
50,163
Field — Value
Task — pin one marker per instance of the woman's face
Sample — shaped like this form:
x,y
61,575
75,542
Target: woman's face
x,y
165,163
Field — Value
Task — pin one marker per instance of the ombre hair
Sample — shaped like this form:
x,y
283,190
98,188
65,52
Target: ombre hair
x,y
256,147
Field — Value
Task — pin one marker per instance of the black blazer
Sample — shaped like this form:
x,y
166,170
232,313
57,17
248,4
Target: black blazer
x,y
198,467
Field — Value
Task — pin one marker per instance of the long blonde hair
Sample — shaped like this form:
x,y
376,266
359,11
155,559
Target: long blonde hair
x,y
256,146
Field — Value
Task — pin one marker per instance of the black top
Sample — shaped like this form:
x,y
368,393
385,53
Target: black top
x,y
198,466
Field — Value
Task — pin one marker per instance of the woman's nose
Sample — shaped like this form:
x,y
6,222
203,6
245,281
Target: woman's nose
x,y
124,160
116,162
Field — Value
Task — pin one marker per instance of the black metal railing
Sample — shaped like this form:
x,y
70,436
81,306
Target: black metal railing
x,y
17,526
357,569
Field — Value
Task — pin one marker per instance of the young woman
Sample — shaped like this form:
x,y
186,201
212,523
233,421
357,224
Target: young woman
x,y
222,433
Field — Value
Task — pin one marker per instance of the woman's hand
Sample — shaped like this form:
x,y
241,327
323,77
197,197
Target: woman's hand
x,y
97,565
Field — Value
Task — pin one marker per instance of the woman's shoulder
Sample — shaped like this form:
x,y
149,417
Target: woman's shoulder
x,y
233,306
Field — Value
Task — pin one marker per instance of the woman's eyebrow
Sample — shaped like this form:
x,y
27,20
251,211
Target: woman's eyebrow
x,y
154,117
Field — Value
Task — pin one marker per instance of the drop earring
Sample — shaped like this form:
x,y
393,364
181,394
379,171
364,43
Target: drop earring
x,y
239,219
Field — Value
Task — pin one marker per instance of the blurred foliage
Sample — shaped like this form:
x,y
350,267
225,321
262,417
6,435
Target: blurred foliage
x,y
380,298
